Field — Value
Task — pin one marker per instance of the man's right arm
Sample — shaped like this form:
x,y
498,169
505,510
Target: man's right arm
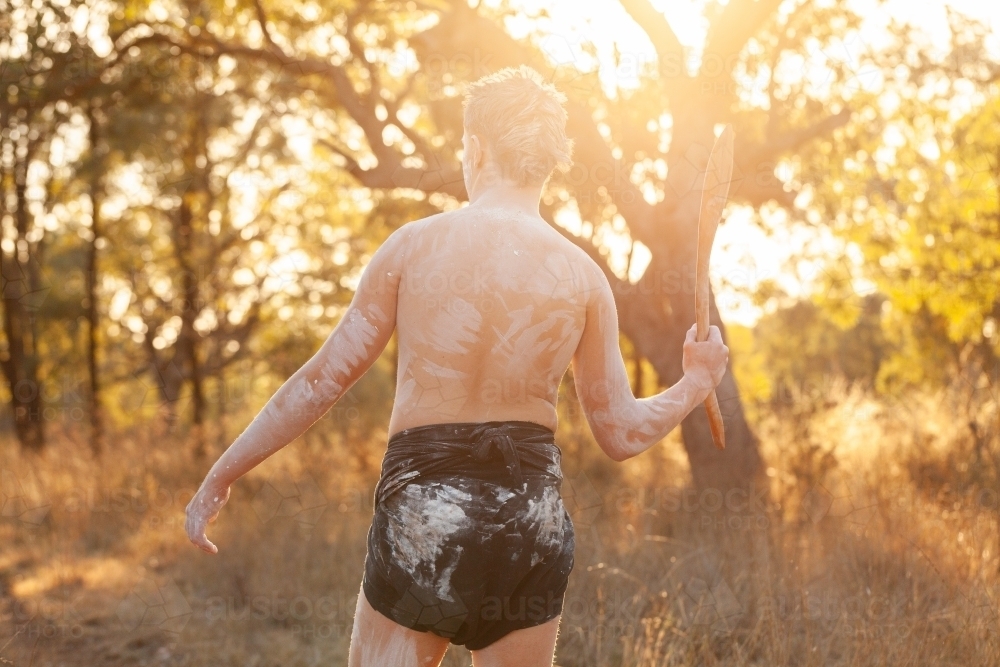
x,y
623,425
348,352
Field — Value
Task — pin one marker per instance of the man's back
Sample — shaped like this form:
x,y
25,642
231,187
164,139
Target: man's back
x,y
491,307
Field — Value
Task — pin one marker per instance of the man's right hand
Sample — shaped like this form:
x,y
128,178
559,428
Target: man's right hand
x,y
201,511
705,363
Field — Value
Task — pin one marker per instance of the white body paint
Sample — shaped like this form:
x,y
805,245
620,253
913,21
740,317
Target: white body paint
x,y
484,333
546,514
421,520
491,306
374,649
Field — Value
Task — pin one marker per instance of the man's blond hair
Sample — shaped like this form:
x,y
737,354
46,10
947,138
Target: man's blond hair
x,y
521,119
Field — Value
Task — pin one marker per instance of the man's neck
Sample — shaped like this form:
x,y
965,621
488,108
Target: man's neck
x,y
509,196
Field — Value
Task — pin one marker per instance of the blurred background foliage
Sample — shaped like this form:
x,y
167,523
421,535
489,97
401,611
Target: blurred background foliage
x,y
189,193
238,202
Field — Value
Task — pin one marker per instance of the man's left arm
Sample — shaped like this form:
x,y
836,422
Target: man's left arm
x,y
350,350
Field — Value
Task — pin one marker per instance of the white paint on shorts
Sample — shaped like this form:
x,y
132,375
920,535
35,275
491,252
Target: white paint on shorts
x,y
419,525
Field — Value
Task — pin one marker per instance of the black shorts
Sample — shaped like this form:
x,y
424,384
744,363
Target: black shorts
x,y
470,539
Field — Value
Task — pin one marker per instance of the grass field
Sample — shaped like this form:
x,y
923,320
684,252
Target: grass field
x,y
877,545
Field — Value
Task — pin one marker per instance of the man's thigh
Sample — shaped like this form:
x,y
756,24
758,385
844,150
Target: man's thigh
x,y
530,647
377,641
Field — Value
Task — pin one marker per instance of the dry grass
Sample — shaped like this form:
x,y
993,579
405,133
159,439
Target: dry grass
x,y
878,546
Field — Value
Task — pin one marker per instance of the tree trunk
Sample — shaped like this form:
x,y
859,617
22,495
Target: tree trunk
x,y
657,332
740,464
20,364
96,195
187,341
21,289
222,402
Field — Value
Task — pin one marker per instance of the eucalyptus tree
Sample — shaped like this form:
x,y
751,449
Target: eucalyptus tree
x,y
381,83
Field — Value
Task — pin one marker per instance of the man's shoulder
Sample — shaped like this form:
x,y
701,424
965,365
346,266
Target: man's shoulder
x,y
412,227
587,273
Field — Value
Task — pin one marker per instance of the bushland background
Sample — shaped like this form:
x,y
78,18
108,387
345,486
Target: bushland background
x,y
189,193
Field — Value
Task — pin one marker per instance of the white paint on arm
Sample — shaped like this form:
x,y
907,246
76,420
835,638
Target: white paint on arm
x,y
349,351
622,425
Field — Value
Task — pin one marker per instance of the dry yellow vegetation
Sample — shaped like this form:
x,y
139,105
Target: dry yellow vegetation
x,y
877,545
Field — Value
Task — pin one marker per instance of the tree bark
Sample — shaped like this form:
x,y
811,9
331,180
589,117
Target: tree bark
x,y
21,289
20,364
188,339
96,196
185,249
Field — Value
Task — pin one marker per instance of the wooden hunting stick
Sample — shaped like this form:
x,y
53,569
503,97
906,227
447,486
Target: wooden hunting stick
x,y
713,201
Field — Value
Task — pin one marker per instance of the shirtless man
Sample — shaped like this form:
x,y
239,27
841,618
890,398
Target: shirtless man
x,y
470,542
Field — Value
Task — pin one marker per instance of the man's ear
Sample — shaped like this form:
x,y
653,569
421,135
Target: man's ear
x,y
478,155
